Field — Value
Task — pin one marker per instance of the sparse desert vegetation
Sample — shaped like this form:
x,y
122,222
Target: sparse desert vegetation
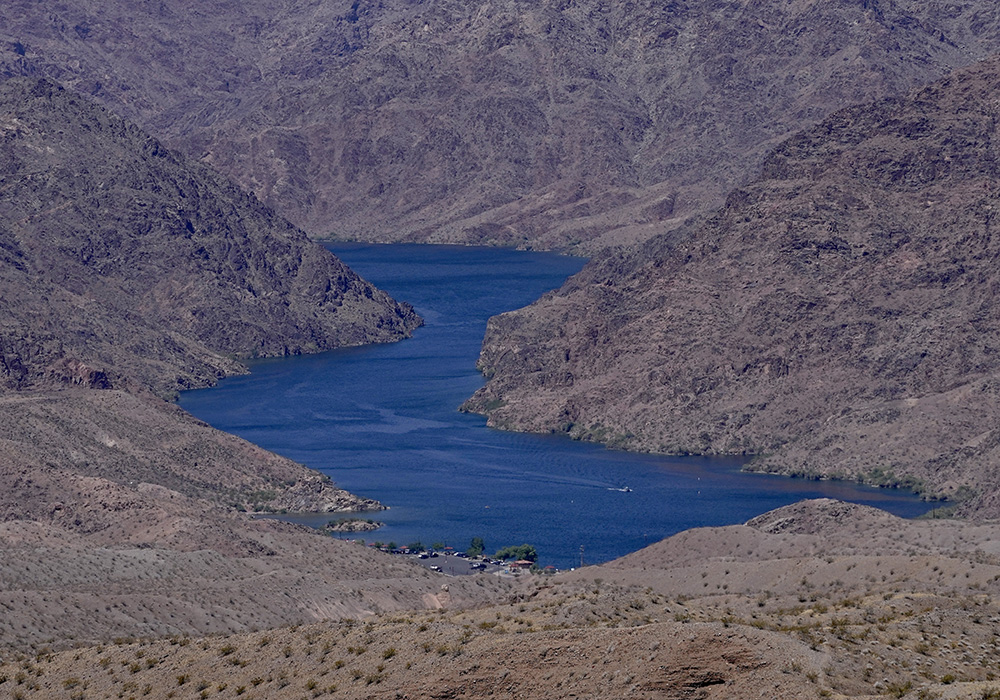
x,y
793,605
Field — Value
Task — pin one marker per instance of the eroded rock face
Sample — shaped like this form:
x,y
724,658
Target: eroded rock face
x,y
546,124
838,314
122,259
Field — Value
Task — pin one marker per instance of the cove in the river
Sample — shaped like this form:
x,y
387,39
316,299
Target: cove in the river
x,y
382,421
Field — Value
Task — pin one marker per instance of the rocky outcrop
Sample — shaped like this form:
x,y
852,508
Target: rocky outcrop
x,y
127,269
117,466
122,260
837,317
545,124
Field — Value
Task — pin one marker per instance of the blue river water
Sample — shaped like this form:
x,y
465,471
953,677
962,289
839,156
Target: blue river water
x,y
382,422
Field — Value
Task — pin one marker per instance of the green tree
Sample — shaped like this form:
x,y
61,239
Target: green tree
x,y
476,547
415,546
526,552
437,546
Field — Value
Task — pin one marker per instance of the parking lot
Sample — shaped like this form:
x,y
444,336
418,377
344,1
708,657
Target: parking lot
x,y
456,566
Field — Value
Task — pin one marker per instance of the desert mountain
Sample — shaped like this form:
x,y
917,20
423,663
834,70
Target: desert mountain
x,y
121,258
531,124
127,272
838,316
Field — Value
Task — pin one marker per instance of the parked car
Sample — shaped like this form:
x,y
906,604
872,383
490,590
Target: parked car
x,y
435,567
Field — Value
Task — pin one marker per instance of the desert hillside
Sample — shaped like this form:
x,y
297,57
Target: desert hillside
x,y
794,604
545,124
122,259
837,315
127,273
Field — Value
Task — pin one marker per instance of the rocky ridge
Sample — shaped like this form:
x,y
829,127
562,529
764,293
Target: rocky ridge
x,y
836,317
546,124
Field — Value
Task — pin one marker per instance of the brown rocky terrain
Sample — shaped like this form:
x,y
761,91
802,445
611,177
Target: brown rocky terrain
x,y
820,599
126,274
148,562
836,317
546,124
121,259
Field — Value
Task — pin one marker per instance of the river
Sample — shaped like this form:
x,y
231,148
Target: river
x,y
382,421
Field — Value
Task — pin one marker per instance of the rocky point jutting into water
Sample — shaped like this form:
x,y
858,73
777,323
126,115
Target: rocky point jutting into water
x,y
122,260
125,272
837,316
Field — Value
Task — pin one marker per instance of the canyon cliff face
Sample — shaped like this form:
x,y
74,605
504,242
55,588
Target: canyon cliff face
x,y
123,261
838,316
553,124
